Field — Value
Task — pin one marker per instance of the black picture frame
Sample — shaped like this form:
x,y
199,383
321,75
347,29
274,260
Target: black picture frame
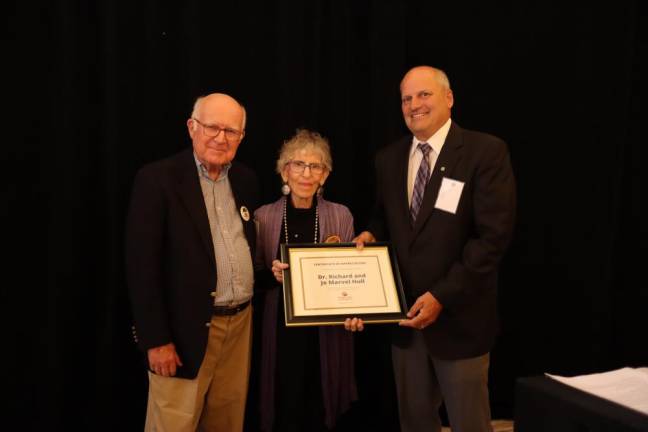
x,y
289,254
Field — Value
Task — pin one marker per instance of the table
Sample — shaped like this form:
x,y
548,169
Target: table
x,y
545,405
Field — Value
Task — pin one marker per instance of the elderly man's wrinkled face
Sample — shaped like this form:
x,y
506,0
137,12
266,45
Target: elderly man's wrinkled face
x,y
216,130
425,103
304,174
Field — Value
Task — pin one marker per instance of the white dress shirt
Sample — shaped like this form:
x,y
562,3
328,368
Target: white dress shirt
x,y
416,156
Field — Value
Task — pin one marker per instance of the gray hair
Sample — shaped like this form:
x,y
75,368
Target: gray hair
x,y
442,78
305,139
198,102
439,75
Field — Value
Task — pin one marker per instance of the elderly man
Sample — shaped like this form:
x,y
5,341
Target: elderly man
x,y
189,244
446,199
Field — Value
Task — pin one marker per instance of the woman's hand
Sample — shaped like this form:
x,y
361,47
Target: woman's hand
x,y
277,270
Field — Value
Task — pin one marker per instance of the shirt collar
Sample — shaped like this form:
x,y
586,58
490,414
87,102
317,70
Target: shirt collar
x,y
435,141
202,169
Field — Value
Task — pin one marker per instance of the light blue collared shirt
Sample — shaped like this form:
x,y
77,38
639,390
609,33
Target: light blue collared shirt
x,y
233,258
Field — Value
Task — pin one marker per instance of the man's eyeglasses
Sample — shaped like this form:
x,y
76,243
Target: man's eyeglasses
x,y
213,131
298,167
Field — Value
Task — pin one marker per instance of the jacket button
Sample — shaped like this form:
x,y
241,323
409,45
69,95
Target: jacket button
x,y
207,324
213,293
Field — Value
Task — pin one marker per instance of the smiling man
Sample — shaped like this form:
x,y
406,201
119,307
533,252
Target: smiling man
x,y
189,248
426,100
450,232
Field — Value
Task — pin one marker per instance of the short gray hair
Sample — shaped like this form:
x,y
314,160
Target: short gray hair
x,y
198,102
305,139
439,75
442,78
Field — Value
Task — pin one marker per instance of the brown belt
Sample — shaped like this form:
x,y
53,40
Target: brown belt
x,y
230,310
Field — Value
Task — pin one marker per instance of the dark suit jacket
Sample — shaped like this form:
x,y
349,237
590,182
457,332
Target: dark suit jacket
x,y
453,256
171,267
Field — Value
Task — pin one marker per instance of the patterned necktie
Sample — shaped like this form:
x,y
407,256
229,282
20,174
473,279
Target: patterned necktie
x,y
421,180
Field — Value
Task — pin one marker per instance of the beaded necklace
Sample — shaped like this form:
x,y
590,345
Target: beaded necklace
x,y
285,221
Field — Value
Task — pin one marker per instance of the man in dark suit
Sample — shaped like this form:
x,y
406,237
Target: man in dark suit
x,y
189,244
446,199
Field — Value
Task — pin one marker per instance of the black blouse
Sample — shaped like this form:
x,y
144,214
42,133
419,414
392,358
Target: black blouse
x,y
301,224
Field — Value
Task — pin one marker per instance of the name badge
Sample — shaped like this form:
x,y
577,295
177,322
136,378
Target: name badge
x,y
449,195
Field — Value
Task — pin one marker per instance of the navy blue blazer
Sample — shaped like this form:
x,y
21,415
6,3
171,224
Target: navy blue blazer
x,y
453,256
170,261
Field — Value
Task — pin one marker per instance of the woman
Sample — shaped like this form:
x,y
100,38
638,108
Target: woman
x,y
307,373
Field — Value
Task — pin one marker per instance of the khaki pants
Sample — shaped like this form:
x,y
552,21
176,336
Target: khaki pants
x,y
215,399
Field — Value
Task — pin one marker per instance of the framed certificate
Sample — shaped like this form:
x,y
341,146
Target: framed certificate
x,y
329,282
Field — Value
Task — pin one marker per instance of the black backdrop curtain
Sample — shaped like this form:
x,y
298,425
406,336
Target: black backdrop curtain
x,y
96,89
